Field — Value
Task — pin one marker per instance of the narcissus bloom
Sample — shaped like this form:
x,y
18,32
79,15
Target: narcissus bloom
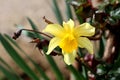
x,y
69,38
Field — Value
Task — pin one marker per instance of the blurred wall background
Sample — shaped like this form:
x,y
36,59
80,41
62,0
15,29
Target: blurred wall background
x,y
15,12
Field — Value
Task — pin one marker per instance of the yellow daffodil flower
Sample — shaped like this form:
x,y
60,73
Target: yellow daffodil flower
x,y
69,38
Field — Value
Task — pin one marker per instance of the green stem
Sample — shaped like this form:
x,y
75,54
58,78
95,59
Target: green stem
x,y
84,72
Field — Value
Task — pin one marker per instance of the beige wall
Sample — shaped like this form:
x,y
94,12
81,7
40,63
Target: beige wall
x,y
15,12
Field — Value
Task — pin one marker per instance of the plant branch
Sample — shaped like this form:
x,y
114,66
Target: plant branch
x,y
17,34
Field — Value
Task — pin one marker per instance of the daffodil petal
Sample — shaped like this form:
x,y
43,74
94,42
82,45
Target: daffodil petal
x,y
69,58
68,25
84,42
53,44
84,29
55,30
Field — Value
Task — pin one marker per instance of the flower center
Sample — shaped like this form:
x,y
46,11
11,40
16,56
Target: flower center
x,y
68,43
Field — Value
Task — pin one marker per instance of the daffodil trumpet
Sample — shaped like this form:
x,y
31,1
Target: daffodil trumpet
x,y
69,38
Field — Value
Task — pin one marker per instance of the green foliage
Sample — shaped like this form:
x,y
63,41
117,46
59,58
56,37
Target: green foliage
x,y
34,27
68,11
39,69
54,67
51,61
115,14
77,74
101,49
105,18
57,11
17,58
8,74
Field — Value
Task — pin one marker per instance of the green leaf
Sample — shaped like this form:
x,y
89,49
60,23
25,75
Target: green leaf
x,y
17,58
84,72
68,11
13,42
76,73
32,24
50,59
115,13
57,11
78,12
10,69
7,66
44,76
1,78
30,34
54,67
84,69
8,74
4,63
116,65
101,48
35,64
34,27
27,33
112,1
79,19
